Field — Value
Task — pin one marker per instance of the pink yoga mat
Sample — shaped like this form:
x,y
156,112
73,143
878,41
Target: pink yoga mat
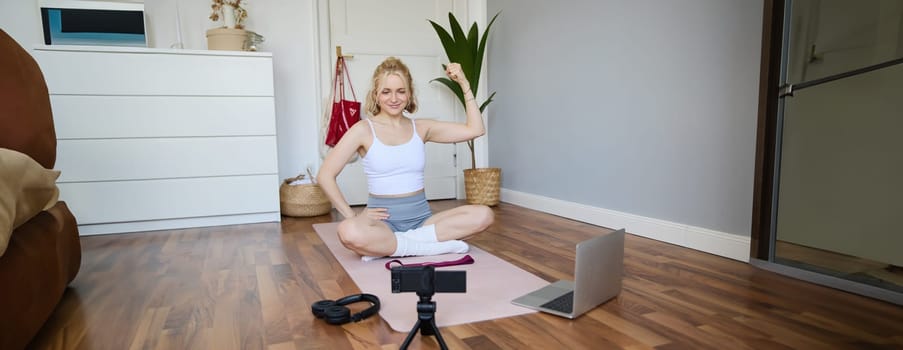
x,y
491,285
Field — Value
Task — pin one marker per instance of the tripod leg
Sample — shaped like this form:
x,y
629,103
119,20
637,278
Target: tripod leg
x,y
407,340
438,335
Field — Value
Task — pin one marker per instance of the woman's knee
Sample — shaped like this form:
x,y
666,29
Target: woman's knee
x,y
484,216
351,234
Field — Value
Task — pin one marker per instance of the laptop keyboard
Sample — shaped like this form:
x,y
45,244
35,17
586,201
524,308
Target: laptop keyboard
x,y
564,303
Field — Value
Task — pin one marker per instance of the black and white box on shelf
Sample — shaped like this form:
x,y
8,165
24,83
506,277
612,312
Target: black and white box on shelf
x,y
89,23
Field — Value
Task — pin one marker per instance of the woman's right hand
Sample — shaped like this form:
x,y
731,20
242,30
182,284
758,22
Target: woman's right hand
x,y
378,214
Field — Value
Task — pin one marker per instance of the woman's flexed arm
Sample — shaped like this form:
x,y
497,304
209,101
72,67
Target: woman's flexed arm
x,y
448,132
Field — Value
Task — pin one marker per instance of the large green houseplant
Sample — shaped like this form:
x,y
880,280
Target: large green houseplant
x,y
481,185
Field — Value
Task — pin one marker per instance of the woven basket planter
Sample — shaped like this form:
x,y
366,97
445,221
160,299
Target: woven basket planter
x,y
302,200
226,39
483,185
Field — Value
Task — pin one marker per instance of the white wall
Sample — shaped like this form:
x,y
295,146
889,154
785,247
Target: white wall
x,y
289,28
636,112
22,20
642,112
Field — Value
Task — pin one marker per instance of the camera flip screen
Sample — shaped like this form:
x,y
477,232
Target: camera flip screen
x,y
420,279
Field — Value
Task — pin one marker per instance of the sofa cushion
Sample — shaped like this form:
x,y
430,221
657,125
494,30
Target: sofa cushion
x,y
26,189
25,115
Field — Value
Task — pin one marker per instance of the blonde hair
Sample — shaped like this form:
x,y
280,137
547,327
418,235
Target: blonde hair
x,y
391,65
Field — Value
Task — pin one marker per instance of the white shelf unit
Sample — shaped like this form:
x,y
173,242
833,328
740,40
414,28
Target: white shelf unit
x,y
152,139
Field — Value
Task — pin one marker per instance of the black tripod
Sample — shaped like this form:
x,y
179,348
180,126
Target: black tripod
x,y
426,313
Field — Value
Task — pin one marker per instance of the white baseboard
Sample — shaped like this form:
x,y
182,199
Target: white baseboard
x,y
719,243
172,224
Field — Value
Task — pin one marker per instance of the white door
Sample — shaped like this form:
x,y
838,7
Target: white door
x,y
369,31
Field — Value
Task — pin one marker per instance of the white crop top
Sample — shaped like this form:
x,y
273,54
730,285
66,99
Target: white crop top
x,y
395,169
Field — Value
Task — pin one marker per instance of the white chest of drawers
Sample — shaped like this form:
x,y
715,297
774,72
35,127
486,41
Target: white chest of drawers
x,y
153,139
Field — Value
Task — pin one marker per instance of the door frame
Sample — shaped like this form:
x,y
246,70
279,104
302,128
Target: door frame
x,y
322,58
766,133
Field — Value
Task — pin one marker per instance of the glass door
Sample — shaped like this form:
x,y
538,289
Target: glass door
x,y
838,201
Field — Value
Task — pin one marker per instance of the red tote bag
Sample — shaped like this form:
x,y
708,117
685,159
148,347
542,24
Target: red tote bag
x,y
345,113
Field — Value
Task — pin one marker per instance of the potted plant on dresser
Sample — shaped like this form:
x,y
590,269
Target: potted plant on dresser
x,y
481,185
232,35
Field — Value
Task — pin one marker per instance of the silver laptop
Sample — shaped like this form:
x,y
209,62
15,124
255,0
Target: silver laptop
x,y
597,278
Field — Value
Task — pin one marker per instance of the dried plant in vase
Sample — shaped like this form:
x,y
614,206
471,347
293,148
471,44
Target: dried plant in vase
x,y
232,12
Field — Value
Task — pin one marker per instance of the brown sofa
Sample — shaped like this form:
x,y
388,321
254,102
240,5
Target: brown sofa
x,y
43,254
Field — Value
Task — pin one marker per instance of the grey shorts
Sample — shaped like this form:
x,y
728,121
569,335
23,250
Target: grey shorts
x,y
405,213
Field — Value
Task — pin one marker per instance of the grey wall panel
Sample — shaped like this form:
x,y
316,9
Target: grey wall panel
x,y
644,107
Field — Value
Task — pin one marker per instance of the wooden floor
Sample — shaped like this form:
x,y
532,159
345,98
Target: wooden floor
x,y
251,286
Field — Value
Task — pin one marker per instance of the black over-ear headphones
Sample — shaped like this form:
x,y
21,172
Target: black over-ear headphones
x,y
335,312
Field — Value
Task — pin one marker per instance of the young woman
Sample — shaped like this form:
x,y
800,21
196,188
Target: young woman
x,y
397,220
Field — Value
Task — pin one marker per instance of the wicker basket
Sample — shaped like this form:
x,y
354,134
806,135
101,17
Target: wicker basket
x,y
303,199
483,185
226,39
